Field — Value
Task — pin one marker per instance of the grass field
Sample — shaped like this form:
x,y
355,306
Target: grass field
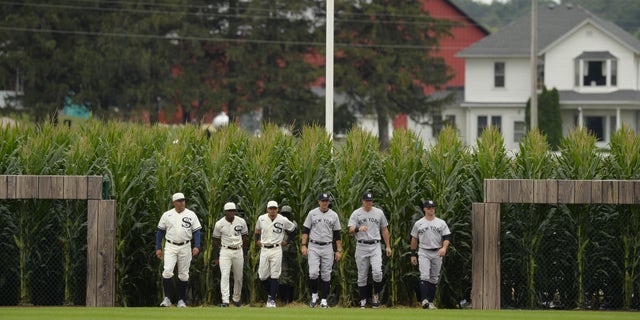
x,y
296,313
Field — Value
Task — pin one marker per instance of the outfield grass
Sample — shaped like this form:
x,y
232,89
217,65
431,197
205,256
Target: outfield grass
x,y
297,313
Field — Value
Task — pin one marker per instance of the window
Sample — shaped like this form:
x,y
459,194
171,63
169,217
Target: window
x,y
596,69
483,123
496,122
440,122
519,130
498,74
596,126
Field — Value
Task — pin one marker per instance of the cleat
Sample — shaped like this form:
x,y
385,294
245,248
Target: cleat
x,y
425,304
432,306
271,304
375,303
237,304
224,305
324,304
363,303
181,304
166,302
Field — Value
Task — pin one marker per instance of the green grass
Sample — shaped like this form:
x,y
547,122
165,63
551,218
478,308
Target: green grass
x,y
296,313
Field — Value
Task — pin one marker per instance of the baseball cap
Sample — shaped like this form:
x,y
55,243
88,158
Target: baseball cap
x,y
429,204
367,196
272,204
178,196
229,206
285,209
323,196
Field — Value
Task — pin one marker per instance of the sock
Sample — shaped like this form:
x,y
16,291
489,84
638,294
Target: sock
x,y
363,292
377,287
266,286
423,290
313,286
182,289
273,290
167,284
431,292
326,285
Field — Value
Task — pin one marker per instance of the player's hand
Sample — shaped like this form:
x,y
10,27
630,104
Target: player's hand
x,y
216,262
338,255
159,254
259,243
195,251
442,251
304,250
414,261
388,251
283,243
363,229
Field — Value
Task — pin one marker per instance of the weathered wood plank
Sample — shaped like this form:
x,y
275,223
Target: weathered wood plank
x,y
582,191
70,187
636,191
491,291
50,187
626,192
609,192
552,190
477,256
3,187
106,256
596,191
521,191
12,187
27,187
93,208
496,190
540,191
94,187
566,191
81,187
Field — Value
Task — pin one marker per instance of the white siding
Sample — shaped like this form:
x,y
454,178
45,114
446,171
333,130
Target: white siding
x,y
479,86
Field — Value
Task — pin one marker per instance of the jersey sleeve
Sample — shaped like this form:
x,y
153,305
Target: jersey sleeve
x,y
217,233
337,225
288,225
352,220
445,230
414,230
162,224
383,220
245,228
307,221
196,223
259,224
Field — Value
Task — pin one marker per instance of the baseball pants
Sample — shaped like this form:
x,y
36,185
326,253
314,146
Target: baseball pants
x,y
320,261
270,263
368,255
177,254
429,263
231,259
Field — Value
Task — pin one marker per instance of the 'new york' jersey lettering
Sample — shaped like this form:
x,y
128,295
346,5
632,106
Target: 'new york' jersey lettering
x,y
322,224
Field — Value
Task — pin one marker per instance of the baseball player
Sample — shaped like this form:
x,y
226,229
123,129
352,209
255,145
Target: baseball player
x,y
430,237
289,275
367,224
321,229
269,233
230,241
179,226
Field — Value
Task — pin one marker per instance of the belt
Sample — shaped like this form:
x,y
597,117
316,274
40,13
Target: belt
x,y
178,243
435,249
231,248
269,246
319,243
368,241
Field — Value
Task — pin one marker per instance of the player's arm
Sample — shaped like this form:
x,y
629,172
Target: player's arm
x,y
414,252
338,240
245,244
303,240
216,249
159,236
445,244
196,243
387,241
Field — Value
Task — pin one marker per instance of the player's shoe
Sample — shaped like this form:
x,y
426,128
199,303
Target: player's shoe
x,y
166,302
314,301
425,304
271,303
375,303
237,304
324,304
432,306
181,304
363,303
224,305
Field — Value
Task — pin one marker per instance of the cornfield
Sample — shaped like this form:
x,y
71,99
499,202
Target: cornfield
x,y
553,256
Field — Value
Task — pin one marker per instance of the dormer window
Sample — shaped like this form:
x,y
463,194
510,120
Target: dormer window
x,y
596,69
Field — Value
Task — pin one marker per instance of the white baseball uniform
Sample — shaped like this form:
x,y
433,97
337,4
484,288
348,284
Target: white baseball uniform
x,y
179,229
272,232
231,255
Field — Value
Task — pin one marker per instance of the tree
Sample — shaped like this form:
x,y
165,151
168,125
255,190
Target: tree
x,y
384,58
549,117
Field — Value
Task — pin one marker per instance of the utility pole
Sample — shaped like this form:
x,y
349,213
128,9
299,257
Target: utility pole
x,y
328,118
534,64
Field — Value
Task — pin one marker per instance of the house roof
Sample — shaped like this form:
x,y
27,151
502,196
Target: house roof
x,y
554,22
631,97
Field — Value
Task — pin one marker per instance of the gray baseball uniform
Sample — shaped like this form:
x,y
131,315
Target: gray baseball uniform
x,y
368,250
321,226
429,235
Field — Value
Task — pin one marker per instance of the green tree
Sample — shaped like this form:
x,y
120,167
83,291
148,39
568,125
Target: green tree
x,y
549,118
384,58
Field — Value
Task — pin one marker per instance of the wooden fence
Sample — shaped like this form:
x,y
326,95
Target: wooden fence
x,y
101,223
485,293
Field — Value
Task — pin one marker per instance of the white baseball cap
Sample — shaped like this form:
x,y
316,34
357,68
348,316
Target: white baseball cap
x,y
229,206
272,204
178,196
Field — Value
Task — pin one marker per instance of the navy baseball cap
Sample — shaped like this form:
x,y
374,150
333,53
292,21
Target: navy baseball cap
x,y
429,204
367,196
323,196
